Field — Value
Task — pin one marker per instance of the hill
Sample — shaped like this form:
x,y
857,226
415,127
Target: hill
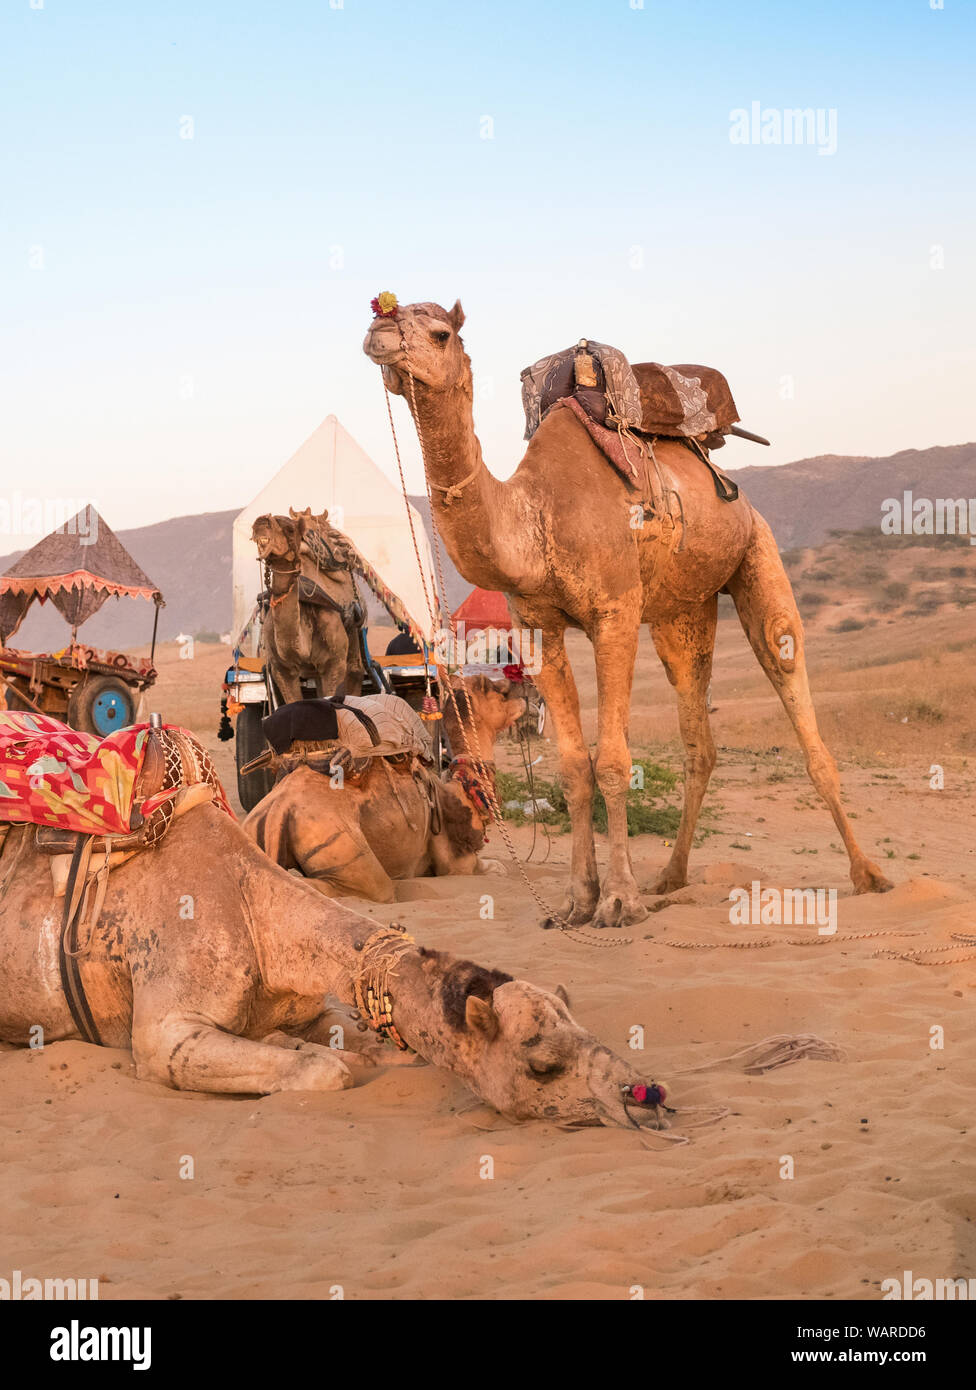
x,y
805,502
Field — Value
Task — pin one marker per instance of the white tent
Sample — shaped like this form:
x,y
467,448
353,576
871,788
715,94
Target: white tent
x,y
331,471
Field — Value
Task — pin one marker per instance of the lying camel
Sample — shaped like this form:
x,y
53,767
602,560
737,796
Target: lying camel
x,y
311,626
399,821
212,964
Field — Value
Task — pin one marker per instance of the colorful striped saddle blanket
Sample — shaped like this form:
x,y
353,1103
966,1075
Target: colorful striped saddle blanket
x,y
123,785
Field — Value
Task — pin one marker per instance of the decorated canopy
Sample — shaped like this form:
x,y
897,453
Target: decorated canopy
x,y
78,566
483,608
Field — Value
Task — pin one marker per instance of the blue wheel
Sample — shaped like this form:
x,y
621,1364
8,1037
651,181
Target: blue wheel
x,y
101,706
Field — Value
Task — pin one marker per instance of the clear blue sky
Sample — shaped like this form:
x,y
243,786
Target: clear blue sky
x,y
179,314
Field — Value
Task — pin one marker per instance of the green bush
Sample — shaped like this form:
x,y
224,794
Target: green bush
x,y
647,812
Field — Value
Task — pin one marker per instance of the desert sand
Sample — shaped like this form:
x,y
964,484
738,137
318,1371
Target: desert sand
x,y
382,1192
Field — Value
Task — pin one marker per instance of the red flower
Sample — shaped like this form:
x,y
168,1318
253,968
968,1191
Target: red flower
x,y
514,673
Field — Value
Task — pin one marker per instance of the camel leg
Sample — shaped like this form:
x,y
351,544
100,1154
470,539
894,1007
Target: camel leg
x,y
288,683
332,652
557,686
351,1057
768,613
355,671
186,1051
340,862
615,650
362,1047
685,646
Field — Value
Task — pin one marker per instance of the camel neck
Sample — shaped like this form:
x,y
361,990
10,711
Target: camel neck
x,y
284,574
471,506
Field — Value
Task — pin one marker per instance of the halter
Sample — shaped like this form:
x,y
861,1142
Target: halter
x,y
372,981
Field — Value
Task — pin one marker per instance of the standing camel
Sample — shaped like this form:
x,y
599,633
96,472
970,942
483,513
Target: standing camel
x,y
559,539
311,626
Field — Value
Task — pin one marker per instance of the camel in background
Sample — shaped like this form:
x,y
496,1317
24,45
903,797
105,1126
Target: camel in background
x,y
313,615
396,820
559,539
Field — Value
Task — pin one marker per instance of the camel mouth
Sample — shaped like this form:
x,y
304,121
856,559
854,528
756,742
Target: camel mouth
x,y
383,348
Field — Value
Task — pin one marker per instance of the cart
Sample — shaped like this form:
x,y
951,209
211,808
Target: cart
x,y
77,568
94,691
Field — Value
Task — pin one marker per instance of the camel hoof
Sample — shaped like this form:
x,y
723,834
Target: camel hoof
x,y
870,879
614,911
669,883
576,914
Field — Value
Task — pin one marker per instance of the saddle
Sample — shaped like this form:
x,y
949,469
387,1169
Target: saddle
x,y
314,596
353,732
312,721
617,402
94,804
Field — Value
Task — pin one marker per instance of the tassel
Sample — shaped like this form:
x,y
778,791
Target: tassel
x,y
226,729
429,709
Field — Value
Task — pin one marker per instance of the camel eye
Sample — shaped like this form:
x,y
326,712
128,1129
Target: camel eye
x,y
539,1068
440,335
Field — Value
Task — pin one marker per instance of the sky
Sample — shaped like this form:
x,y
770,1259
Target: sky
x,y
198,201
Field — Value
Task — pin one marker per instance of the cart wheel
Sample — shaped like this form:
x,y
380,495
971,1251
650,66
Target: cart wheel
x,y
101,706
249,741
541,722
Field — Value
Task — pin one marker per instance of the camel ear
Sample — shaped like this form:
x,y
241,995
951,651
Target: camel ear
x,y
456,316
480,1017
560,993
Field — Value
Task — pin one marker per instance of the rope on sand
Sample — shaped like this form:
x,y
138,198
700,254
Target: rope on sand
x,y
779,1050
959,938
794,941
914,957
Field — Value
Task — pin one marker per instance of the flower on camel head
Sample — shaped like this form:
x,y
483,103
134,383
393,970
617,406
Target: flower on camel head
x,y
384,306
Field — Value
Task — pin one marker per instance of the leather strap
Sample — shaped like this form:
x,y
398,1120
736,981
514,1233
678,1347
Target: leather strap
x,y
725,489
74,991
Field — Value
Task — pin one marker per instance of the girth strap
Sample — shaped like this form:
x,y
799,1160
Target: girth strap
x,y
725,489
74,991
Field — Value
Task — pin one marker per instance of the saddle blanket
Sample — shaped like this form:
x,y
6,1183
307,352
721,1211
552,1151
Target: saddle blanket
x,y
53,775
320,721
685,401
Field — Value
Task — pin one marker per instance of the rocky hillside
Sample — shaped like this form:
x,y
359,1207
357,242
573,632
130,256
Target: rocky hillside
x,y
804,501
189,556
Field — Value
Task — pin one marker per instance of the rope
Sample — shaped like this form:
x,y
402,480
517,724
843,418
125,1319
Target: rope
x,y
471,734
792,941
453,490
779,1050
913,957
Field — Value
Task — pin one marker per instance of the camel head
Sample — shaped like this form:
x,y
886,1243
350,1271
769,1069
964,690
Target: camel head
x,y
308,521
277,537
421,339
520,1049
491,705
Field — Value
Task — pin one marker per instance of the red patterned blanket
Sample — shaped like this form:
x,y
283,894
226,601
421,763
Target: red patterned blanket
x,y
53,775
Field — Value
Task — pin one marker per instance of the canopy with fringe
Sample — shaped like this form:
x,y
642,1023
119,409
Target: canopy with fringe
x,y
78,566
